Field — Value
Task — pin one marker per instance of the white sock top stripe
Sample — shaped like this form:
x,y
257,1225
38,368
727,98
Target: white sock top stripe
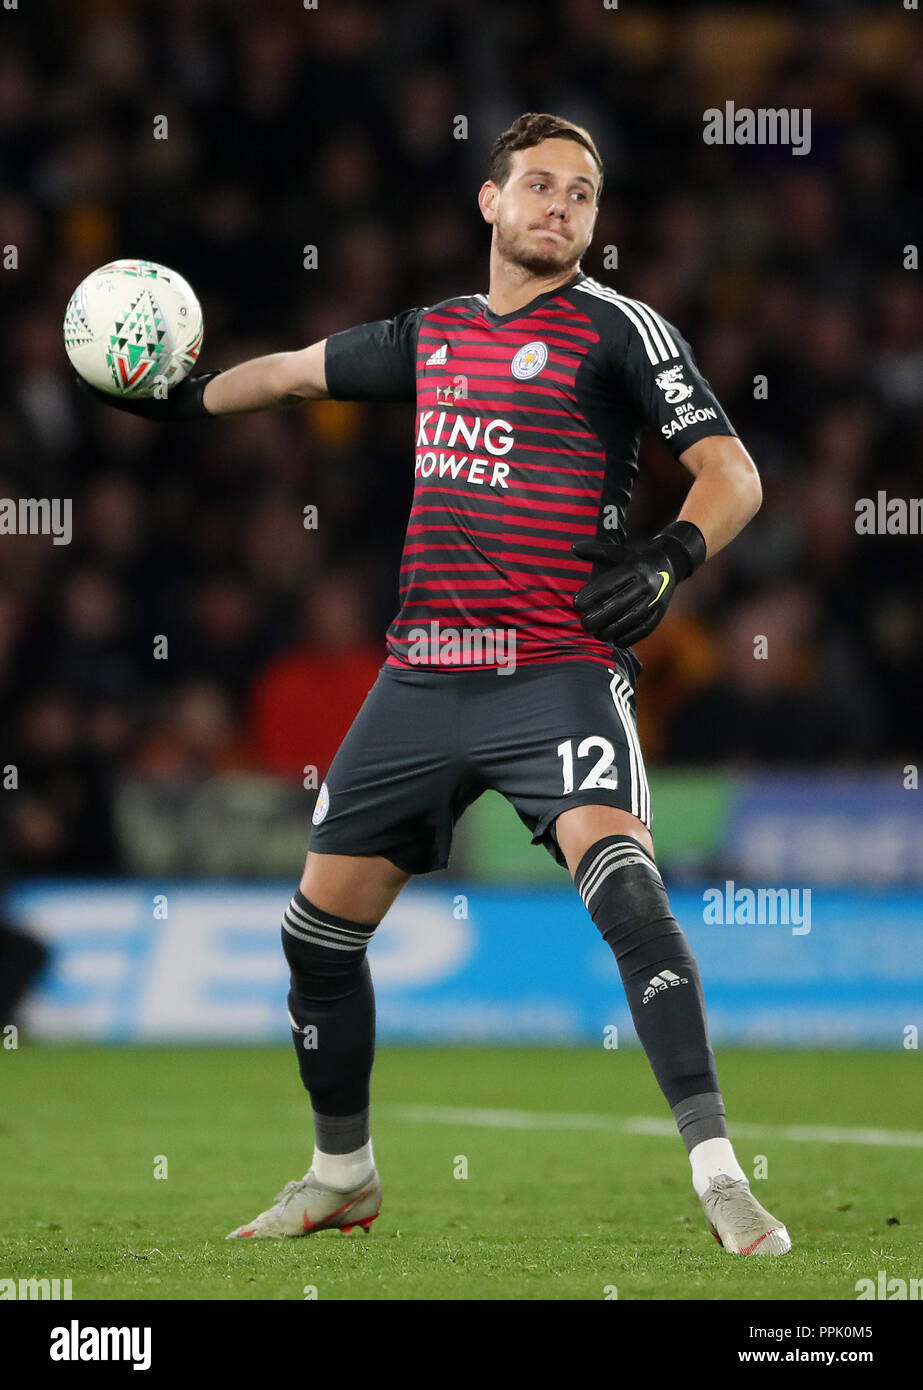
x,y
329,933
615,858
621,847
317,940
301,917
611,858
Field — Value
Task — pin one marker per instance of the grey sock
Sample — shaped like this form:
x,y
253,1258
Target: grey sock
x,y
700,1117
341,1134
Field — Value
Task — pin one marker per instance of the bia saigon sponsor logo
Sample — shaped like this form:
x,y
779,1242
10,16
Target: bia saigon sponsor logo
x,y
673,388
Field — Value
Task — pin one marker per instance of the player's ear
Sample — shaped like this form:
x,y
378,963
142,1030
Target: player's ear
x,y
487,200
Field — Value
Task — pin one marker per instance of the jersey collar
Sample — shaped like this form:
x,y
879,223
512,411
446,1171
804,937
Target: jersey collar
x,y
495,320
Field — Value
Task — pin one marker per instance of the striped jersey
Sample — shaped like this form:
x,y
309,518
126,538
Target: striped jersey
x,y
526,438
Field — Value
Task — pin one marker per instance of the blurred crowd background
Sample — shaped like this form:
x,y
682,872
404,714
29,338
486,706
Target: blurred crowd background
x,y
291,128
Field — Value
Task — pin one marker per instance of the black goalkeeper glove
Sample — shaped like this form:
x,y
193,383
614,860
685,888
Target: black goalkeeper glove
x,y
627,599
181,403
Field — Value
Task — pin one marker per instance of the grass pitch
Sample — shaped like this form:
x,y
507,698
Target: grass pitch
x,y
545,1212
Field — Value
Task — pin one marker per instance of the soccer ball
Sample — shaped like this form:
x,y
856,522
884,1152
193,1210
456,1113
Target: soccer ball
x,y
131,325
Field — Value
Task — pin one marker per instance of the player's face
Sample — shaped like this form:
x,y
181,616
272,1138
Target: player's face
x,y
545,213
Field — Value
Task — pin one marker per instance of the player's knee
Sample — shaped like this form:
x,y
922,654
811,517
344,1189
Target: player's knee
x,y
325,954
360,889
585,826
621,887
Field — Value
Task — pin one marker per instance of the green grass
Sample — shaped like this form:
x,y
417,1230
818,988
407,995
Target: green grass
x,y
543,1214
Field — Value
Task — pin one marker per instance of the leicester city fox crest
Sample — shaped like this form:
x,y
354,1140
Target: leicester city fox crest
x,y
529,360
322,805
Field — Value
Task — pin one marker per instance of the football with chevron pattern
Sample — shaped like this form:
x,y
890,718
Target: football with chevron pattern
x,y
132,324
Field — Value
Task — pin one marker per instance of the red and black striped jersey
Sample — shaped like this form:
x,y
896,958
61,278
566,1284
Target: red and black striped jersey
x,y
526,439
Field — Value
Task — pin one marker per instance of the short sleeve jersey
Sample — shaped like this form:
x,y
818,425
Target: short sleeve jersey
x,y
526,438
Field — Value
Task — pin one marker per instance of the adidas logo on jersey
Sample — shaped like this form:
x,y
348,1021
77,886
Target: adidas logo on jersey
x,y
439,357
667,979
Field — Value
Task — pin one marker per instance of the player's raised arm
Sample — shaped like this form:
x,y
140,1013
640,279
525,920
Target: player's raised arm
x,y
279,380
263,383
370,362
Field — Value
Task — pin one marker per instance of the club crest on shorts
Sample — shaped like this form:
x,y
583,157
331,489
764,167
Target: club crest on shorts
x,y
322,805
529,360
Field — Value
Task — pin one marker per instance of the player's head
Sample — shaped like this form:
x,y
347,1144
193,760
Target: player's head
x,y
545,177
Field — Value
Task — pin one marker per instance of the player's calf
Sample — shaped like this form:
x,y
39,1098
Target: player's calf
x,y
623,891
332,1013
624,894
331,1007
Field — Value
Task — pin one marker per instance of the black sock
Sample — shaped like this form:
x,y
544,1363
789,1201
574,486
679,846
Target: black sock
x,y
332,1012
624,894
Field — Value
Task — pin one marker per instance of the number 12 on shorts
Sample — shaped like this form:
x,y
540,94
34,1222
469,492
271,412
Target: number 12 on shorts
x,y
603,773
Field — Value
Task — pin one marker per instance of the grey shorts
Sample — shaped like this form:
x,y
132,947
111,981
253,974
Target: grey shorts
x,y
426,744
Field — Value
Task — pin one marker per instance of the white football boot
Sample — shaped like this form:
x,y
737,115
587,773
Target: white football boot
x,y
739,1223
305,1205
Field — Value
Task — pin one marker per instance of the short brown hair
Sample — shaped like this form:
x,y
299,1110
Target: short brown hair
x,y
531,129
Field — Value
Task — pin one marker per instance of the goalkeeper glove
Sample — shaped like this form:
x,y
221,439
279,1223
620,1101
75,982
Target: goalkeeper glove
x,y
181,403
626,600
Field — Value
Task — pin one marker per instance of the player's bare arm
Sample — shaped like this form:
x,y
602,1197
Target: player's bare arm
x,y
726,493
279,380
276,381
